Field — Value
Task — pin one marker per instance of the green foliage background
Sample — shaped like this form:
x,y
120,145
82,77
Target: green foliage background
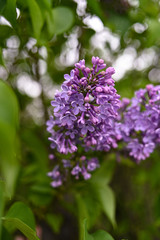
x,y
40,40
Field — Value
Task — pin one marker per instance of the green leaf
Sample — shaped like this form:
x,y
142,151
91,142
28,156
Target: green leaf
x,y
102,235
5,234
137,15
10,12
41,194
62,20
37,147
50,23
86,235
27,231
1,205
5,32
8,105
98,196
151,8
87,207
45,4
82,209
87,204
22,212
153,36
36,17
95,8
82,214
1,57
8,161
119,23
107,200
21,217
8,139
2,5
55,221
103,175
98,235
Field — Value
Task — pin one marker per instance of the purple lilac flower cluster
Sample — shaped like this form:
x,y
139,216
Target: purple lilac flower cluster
x,y
83,167
140,122
84,113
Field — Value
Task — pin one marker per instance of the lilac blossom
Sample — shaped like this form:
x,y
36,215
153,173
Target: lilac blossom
x,y
140,122
84,114
56,177
84,167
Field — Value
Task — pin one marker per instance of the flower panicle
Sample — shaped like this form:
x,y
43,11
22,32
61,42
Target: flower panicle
x,y
84,112
139,125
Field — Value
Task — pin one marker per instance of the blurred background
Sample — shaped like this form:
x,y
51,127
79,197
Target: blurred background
x,y
40,41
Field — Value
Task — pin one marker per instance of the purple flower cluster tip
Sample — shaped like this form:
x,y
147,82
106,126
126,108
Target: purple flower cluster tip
x,y
82,168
